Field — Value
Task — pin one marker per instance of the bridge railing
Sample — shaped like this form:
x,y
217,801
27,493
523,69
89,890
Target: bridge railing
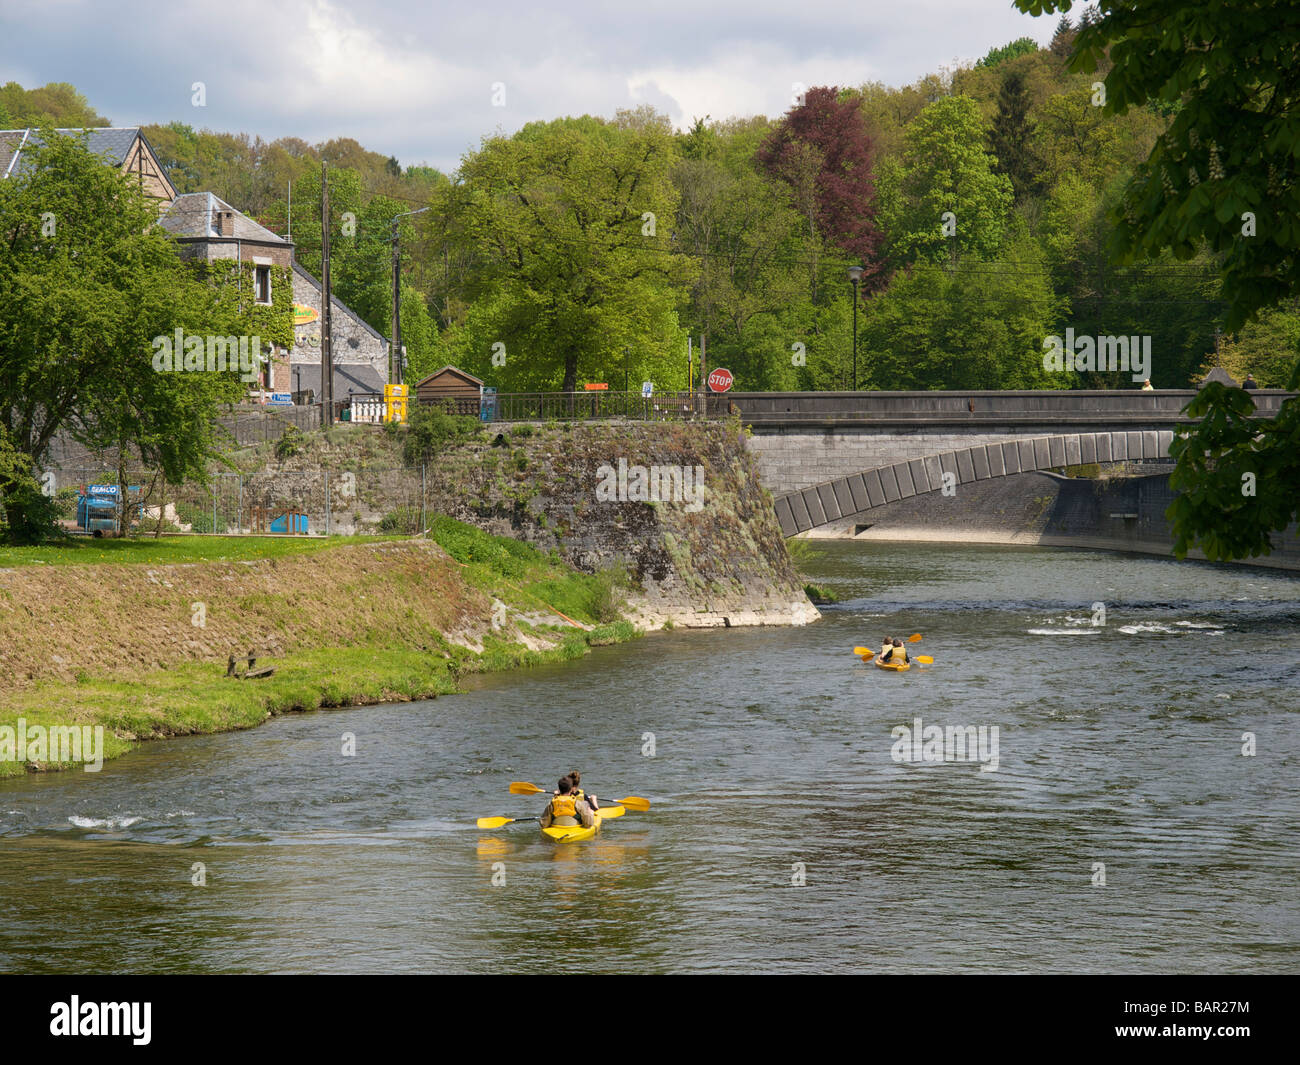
x,y
600,405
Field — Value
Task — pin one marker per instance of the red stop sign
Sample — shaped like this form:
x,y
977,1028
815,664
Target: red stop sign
x,y
720,380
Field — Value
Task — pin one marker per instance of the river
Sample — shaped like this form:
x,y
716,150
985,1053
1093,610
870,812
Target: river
x,y
1120,827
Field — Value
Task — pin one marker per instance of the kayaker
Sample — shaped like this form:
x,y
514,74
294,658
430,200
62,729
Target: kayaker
x,y
578,793
897,653
565,810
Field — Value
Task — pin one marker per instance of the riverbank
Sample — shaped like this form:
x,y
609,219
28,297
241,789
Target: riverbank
x,y
141,648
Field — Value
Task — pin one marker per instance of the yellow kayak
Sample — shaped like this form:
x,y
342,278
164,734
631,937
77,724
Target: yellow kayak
x,y
576,833
896,667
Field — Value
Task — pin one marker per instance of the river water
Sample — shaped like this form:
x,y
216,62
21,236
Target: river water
x,y
1120,827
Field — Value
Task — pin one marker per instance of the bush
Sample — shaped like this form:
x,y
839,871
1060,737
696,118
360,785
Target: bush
x,y
430,430
290,443
402,520
523,432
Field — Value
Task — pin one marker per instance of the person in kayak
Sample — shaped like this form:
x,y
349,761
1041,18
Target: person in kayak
x,y
897,653
578,793
565,810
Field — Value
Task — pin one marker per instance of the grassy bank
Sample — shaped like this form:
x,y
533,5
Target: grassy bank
x,y
343,623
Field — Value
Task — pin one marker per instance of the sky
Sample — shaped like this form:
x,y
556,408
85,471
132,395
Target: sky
x,y
425,82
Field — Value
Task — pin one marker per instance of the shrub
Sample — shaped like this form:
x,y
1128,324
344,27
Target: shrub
x,y
430,429
290,442
402,520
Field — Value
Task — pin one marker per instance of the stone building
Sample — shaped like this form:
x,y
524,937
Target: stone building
x,y
125,148
360,353
207,228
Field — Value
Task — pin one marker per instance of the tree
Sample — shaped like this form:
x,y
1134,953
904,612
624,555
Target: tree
x,y
821,149
1012,139
946,170
978,326
572,220
1020,46
1223,174
88,283
1266,348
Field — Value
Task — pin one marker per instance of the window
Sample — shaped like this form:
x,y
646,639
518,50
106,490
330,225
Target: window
x,y
262,284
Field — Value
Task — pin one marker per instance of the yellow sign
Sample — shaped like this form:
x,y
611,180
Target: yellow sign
x,y
395,399
304,315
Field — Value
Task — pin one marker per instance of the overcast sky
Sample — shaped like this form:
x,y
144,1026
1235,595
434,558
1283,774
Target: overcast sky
x,y
416,80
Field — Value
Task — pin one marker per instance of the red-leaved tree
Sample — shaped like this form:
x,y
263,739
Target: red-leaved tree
x,y
822,150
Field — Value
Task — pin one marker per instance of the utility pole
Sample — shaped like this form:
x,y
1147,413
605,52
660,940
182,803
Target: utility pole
x,y
326,336
395,346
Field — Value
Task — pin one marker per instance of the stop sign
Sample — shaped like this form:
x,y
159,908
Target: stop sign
x,y
720,380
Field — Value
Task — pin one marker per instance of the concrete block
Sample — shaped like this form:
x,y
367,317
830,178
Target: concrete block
x,y
875,490
1087,447
1150,444
1135,445
1164,438
1056,448
858,490
965,466
843,497
920,481
785,516
1010,457
799,510
948,460
904,476
890,483
816,512
1042,456
1103,447
826,495
979,457
1119,446
933,471
996,465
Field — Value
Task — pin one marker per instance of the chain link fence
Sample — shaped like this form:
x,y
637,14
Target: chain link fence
x,y
288,503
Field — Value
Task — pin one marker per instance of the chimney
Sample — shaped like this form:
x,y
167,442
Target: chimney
x,y
225,223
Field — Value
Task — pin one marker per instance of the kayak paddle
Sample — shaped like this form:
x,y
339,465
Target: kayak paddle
x,y
497,822
914,638
632,802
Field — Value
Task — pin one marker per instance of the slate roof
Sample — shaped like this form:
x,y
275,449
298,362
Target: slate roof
x,y
193,217
360,377
111,144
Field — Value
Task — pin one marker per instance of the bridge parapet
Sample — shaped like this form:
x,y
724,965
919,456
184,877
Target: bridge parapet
x,y
766,410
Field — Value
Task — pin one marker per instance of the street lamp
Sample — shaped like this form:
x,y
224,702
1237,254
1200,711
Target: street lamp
x,y
397,351
855,276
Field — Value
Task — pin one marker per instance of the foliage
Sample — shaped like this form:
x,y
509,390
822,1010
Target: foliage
x,y
88,287
429,430
290,443
1020,46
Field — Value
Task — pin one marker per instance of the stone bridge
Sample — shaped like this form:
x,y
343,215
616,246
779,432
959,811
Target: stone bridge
x,y
828,456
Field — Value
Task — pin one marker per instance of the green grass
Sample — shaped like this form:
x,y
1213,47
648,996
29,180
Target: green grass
x,y
84,551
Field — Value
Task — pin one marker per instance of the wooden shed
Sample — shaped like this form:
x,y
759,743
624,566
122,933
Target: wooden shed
x,y
453,390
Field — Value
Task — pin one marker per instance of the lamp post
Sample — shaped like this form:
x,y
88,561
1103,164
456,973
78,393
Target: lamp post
x,y
397,352
855,276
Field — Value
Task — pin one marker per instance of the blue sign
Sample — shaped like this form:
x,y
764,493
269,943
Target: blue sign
x,y
647,389
488,405
280,399
101,489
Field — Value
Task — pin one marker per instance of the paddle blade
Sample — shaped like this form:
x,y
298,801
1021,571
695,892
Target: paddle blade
x,y
635,802
914,638
493,822
862,651
925,660
606,812
521,787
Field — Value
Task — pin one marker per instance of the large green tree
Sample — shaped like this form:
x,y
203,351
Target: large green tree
x,y
572,223
87,282
1224,174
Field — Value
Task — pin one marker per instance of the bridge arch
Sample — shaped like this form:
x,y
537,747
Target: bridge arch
x,y
845,497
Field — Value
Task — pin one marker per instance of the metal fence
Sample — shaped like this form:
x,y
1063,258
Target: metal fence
x,y
273,502
580,406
